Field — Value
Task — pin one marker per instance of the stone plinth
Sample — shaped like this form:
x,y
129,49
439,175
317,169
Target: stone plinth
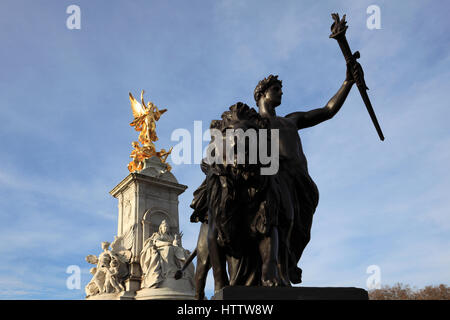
x,y
146,198
170,289
112,296
290,293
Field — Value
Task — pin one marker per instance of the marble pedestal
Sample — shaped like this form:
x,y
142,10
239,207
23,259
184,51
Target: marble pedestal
x,y
145,199
170,289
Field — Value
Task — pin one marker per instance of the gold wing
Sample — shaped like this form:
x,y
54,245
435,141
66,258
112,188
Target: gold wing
x,y
137,108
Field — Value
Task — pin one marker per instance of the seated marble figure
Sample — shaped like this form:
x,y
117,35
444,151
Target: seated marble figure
x,y
161,257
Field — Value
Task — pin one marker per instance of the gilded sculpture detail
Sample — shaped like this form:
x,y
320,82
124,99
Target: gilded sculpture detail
x,y
145,117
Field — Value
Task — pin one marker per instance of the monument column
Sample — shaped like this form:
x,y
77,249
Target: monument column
x,y
145,199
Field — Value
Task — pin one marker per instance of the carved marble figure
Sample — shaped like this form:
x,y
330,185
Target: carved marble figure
x,y
112,266
161,257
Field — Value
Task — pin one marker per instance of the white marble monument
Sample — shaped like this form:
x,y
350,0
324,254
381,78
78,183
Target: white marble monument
x,y
147,250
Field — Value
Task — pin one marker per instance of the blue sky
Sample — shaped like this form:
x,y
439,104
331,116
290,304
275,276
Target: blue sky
x,y
65,134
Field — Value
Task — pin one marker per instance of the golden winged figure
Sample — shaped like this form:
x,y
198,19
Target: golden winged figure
x,y
145,117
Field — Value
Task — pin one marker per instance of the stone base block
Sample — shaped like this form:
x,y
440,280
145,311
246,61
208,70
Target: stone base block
x,y
170,289
290,293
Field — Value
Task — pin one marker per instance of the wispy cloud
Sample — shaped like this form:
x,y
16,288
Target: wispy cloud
x,y
66,134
